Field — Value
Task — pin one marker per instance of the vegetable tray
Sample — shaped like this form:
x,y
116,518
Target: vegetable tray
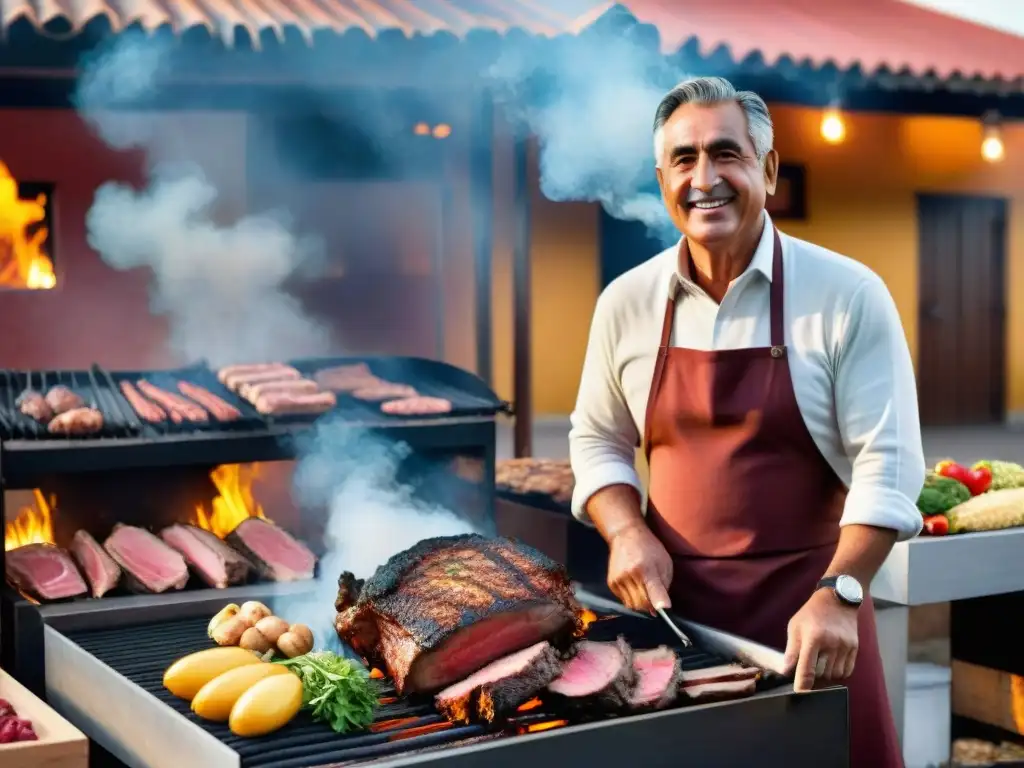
x,y
60,744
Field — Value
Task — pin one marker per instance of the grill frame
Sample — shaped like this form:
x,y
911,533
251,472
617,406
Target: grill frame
x,y
775,729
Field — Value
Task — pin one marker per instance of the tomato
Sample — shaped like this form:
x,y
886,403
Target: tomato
x,y
936,525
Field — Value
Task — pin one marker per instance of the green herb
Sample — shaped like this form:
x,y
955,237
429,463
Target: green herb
x,y
336,690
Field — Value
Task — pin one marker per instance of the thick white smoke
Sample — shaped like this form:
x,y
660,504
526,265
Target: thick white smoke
x,y
371,514
221,287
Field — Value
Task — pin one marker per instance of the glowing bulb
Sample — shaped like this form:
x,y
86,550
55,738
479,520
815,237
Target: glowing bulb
x,y
442,131
992,149
421,129
833,129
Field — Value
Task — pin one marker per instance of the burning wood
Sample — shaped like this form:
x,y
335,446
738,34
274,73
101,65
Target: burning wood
x,y
24,262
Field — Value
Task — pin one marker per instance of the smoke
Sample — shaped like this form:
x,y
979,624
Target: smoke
x,y
371,513
221,287
591,104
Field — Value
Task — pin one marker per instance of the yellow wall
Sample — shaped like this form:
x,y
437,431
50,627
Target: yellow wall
x,y
860,203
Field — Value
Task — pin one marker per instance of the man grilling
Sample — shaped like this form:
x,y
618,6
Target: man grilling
x,y
770,384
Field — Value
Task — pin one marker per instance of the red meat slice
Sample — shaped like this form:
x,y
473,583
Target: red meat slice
x,y
149,565
599,673
99,568
44,571
275,553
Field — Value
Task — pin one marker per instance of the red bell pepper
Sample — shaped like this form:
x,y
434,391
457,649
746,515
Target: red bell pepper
x,y
977,480
936,525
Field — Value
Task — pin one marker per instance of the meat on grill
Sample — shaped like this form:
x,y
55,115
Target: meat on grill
x,y
281,403
496,690
345,378
76,422
275,553
658,675
219,408
235,381
726,681
417,406
210,558
178,408
44,571
62,399
383,390
149,565
34,405
253,392
600,674
99,568
145,409
449,606
245,369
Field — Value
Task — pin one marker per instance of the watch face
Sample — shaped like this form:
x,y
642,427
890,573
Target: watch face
x,y
849,589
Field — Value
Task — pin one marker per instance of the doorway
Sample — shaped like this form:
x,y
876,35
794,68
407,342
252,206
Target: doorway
x,y
961,329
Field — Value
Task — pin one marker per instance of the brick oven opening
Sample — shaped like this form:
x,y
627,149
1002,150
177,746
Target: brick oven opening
x,y
26,234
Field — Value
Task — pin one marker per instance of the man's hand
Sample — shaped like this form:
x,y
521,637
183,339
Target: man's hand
x,y
822,641
639,569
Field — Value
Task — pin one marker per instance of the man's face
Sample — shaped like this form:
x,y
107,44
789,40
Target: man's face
x,y
713,185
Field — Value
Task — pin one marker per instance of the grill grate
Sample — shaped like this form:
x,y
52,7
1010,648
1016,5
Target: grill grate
x,y
142,653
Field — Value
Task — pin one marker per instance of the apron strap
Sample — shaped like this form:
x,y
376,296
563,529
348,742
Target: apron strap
x,y
775,302
659,361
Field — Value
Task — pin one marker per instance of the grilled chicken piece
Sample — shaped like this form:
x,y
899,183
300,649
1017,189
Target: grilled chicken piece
x,y
77,422
34,405
61,399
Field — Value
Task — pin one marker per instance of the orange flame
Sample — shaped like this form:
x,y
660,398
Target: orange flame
x,y
422,730
587,618
23,260
547,725
235,501
376,674
33,525
527,706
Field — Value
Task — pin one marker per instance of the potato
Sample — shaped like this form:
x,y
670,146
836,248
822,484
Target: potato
x,y
229,632
225,613
186,676
253,611
272,627
298,640
215,699
269,705
254,640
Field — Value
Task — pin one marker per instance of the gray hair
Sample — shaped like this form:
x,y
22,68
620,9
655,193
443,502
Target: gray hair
x,y
715,90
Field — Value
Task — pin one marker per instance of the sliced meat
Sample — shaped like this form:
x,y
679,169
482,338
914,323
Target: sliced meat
x,y
384,390
210,558
417,406
62,399
285,403
243,370
599,674
721,673
149,565
44,572
658,675
174,404
99,568
449,606
496,690
34,405
253,392
145,409
345,378
275,553
76,422
236,381
720,691
219,408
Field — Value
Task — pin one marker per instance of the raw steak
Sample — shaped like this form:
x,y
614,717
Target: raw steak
x,y
657,678
496,690
212,560
44,571
727,681
99,568
149,565
599,673
272,550
449,606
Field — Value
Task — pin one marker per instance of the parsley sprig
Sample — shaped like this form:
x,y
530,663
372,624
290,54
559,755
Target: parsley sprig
x,y
336,691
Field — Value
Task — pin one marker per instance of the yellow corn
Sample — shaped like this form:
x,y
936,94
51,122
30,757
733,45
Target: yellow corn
x,y
991,511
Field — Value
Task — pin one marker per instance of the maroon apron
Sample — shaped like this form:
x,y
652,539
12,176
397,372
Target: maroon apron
x,y
748,507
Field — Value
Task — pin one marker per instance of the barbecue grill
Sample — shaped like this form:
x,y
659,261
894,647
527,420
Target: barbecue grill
x,y
104,673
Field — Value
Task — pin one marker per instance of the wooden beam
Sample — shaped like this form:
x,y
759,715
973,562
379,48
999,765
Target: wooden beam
x,y
988,696
523,396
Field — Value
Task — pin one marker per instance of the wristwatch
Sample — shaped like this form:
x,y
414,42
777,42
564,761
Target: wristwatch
x,y
846,588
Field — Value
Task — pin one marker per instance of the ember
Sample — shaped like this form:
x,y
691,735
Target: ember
x,y
547,725
33,524
235,501
23,260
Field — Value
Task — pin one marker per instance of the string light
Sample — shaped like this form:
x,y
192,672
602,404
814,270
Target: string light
x,y
992,148
439,131
833,128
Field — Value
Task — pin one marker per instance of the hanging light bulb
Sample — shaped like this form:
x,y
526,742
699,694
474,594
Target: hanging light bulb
x,y
833,128
992,148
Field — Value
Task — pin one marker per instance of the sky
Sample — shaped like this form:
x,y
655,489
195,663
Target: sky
x,y
1007,15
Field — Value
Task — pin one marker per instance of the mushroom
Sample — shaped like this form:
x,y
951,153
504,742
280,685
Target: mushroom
x,y
272,627
254,640
253,611
298,640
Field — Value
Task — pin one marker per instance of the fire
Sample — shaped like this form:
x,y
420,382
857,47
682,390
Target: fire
x,y
587,618
531,704
24,262
235,501
547,725
33,525
376,674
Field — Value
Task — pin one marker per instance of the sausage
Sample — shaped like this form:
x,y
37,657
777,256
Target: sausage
x,y
253,392
62,399
173,403
280,403
34,405
146,409
237,380
384,390
221,410
417,406
233,370
77,421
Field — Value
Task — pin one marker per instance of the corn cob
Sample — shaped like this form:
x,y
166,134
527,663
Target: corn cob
x,y
991,511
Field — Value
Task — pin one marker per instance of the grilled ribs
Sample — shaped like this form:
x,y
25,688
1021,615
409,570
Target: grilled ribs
x,y
447,607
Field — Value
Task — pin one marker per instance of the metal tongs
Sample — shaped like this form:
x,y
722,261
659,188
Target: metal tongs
x,y
683,638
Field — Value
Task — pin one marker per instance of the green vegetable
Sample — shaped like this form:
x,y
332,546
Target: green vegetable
x,y
336,690
940,494
1005,474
